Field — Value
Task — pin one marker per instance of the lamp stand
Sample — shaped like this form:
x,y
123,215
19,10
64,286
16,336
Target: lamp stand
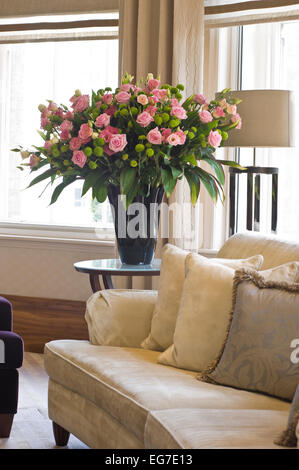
x,y
253,197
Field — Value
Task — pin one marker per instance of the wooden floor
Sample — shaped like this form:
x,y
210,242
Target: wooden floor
x,y
32,428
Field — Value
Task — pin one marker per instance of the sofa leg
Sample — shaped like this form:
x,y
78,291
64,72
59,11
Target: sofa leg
x,y
5,425
61,435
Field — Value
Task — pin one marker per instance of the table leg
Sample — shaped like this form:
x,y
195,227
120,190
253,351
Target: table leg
x,y
108,284
95,283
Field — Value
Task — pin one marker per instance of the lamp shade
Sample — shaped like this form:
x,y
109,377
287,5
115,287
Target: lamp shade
x,y
267,119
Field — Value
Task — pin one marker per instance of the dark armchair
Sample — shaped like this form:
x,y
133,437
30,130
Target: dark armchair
x,y
11,358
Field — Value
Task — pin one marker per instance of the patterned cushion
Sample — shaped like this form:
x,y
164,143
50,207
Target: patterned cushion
x,y
265,322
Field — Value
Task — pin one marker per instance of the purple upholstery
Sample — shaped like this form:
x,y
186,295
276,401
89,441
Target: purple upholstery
x,y
5,315
13,350
11,345
9,390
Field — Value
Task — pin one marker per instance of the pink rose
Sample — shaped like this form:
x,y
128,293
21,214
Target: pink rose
x,y
107,133
85,131
53,106
152,110
214,139
107,150
48,145
81,103
174,102
118,142
142,99
165,134
75,143
155,137
205,117
111,110
174,140
127,87
44,122
160,95
236,118
182,137
108,98
79,158
144,119
123,97
66,126
218,113
69,115
33,161
200,99
178,112
153,84
65,135
231,109
103,120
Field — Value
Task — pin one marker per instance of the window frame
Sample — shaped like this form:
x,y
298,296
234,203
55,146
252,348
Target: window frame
x,y
57,232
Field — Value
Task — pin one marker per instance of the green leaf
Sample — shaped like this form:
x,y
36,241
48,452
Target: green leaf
x,y
16,150
47,174
58,190
90,181
127,179
132,194
208,182
176,172
217,168
100,191
194,183
232,163
190,159
43,136
229,127
168,181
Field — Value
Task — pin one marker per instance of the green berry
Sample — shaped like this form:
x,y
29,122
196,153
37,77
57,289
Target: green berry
x,y
194,129
130,124
165,117
66,162
133,164
139,148
174,123
55,152
122,106
191,135
142,137
64,148
150,153
99,142
98,151
88,151
92,165
224,136
125,157
178,96
134,111
180,87
174,90
167,109
104,107
124,112
158,120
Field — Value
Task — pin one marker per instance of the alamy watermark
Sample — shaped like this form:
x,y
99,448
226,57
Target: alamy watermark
x,y
2,352
179,221
295,353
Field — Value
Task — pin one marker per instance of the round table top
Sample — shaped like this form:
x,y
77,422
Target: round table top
x,y
114,267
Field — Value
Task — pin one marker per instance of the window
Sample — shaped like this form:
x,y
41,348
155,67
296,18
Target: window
x,y
270,60
43,64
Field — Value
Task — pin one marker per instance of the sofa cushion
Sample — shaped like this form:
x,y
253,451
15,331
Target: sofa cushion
x,y
170,291
128,383
265,321
213,429
120,317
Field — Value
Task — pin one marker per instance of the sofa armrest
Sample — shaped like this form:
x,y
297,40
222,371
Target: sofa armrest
x,y
11,350
5,315
120,317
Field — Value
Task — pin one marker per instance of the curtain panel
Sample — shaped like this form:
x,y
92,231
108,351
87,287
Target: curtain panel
x,y
235,13
19,8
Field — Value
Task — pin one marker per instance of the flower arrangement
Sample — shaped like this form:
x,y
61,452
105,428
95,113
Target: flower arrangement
x,y
137,138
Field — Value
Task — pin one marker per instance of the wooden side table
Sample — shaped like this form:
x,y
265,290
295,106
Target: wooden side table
x,y
113,267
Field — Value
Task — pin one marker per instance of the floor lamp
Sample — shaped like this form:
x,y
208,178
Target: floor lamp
x,y
267,122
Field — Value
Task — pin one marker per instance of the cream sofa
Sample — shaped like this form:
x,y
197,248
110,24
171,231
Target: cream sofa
x,y
121,398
